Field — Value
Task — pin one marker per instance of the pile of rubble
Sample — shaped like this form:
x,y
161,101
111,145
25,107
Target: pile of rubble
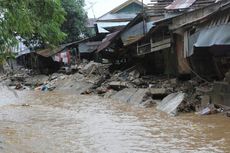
x,y
131,86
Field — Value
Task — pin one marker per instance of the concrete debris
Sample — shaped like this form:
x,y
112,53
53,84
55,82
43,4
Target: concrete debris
x,y
205,101
227,77
124,95
130,85
149,103
158,92
118,85
171,103
131,95
211,109
228,114
25,105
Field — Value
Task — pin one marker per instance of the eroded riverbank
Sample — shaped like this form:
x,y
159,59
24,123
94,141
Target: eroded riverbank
x,y
58,122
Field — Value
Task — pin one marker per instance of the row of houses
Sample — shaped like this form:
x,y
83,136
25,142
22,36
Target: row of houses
x,y
180,37
176,38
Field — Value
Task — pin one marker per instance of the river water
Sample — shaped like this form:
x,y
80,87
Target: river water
x,y
35,122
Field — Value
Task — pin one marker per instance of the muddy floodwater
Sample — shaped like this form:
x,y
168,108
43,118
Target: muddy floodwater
x,y
35,122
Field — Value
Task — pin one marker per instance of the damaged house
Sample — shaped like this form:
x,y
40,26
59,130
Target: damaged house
x,y
51,59
164,37
119,17
204,35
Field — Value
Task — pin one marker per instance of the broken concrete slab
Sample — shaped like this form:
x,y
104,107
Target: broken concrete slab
x,y
157,93
210,109
170,103
138,96
124,95
173,81
228,114
149,103
89,67
221,93
227,77
205,101
118,85
110,93
36,80
131,95
75,87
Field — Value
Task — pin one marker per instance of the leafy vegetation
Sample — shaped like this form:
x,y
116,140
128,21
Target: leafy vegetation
x,y
38,20
40,23
76,18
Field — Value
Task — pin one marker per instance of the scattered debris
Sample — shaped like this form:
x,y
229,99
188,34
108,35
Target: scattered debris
x,y
118,85
211,109
25,105
131,85
228,114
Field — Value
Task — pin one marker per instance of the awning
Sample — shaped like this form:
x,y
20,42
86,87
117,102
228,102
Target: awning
x,y
107,41
218,35
136,32
209,37
88,47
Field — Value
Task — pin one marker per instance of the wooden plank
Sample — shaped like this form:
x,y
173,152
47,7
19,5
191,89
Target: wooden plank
x,y
156,44
143,49
161,47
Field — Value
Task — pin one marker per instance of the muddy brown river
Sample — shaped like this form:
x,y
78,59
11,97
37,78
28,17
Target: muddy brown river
x,y
35,122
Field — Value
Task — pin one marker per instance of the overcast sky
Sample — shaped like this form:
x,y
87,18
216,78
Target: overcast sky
x,y
101,7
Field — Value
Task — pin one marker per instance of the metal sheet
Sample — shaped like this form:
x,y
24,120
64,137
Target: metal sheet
x,y
209,37
88,47
120,16
49,52
180,4
107,41
218,35
135,33
103,25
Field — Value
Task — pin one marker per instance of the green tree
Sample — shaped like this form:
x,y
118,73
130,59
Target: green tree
x,y
76,18
36,21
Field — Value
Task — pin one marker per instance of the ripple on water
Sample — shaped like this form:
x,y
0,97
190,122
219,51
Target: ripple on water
x,y
56,122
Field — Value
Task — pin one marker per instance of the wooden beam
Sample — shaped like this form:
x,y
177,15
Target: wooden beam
x,y
161,47
159,43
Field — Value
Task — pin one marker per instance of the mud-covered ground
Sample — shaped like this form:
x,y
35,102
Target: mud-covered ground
x,y
44,122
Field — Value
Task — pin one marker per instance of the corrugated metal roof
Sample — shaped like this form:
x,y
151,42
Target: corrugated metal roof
x,y
49,52
157,8
103,25
180,4
135,32
88,47
111,15
118,16
107,41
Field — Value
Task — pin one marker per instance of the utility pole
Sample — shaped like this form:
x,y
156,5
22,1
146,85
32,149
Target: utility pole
x,y
143,14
